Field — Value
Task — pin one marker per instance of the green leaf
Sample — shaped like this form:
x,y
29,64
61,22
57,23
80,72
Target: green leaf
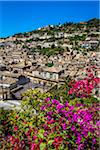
x,y
89,133
42,146
83,139
50,142
71,142
41,131
73,136
64,132
40,135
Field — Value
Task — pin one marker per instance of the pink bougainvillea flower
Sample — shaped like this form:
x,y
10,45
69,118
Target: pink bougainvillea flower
x,y
50,113
33,146
48,105
48,117
51,121
73,128
75,117
43,107
64,126
66,104
78,140
84,87
17,117
27,133
98,123
71,107
60,106
94,140
15,128
54,101
80,146
47,99
63,112
4,122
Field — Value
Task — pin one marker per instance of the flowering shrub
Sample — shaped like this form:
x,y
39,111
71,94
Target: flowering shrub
x,y
57,126
44,123
84,87
32,98
74,125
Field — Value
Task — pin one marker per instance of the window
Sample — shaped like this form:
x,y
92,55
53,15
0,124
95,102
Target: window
x,y
50,75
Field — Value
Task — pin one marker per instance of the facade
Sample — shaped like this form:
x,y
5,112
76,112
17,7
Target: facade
x,y
52,73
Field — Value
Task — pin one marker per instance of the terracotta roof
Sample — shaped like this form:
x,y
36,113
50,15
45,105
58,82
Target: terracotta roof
x,y
52,69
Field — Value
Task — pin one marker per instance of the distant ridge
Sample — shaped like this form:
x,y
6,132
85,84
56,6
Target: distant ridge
x,y
92,22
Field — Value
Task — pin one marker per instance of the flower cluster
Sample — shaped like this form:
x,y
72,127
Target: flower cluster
x,y
71,121
66,124
59,126
84,87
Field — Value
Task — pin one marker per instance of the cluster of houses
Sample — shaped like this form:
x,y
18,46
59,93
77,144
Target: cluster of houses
x,y
91,42
20,70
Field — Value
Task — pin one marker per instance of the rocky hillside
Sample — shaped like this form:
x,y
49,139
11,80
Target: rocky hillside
x,y
54,39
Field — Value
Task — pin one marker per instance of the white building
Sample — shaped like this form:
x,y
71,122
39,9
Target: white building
x,y
52,73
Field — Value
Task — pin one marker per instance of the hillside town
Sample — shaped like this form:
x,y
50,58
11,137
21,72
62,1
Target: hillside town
x,y
49,75
45,57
